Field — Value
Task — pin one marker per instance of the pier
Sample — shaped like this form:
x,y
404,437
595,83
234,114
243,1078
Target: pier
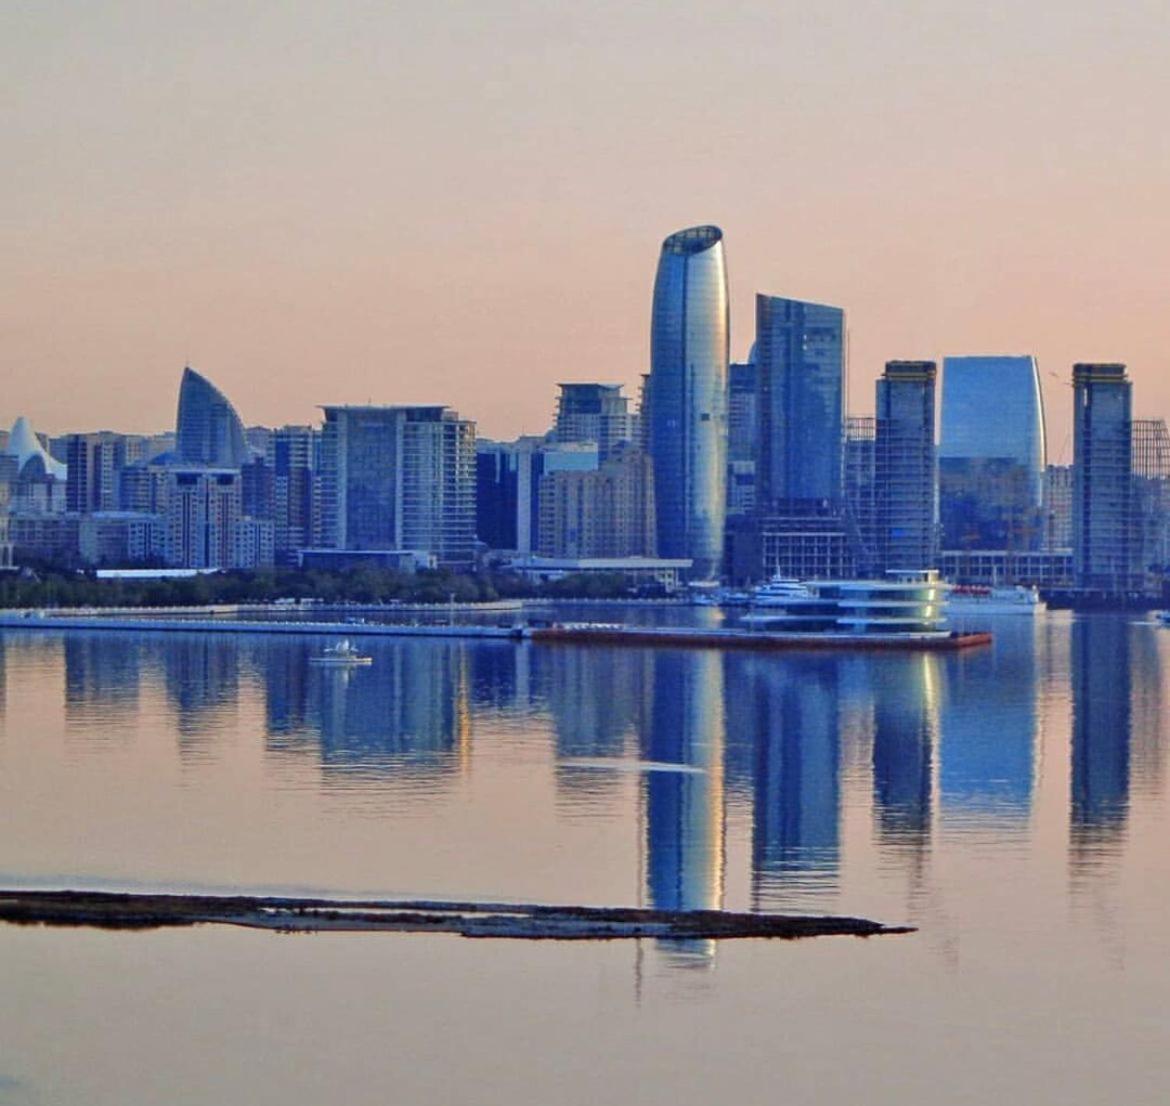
x,y
584,633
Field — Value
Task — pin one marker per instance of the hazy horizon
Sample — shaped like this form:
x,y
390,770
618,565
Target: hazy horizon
x,y
464,205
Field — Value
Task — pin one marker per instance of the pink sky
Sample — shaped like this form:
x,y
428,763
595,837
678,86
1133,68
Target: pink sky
x,y
328,203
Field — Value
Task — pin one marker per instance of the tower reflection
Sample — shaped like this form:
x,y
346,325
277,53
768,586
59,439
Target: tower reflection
x,y
905,729
793,714
1101,728
683,791
988,725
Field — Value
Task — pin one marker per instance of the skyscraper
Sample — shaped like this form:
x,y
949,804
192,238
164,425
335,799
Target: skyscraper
x,y
399,479
905,466
800,362
992,454
688,390
1105,538
208,430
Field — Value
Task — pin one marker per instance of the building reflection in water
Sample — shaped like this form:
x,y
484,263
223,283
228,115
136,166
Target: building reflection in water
x,y
790,715
905,730
682,790
1101,728
101,675
407,715
201,673
987,729
598,699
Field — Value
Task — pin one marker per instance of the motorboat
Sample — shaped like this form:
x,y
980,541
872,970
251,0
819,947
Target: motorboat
x,y
341,655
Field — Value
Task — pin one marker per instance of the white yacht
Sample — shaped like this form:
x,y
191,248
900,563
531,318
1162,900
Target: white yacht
x,y
341,655
965,599
780,591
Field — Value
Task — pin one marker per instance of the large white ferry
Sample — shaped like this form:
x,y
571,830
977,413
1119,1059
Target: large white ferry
x,y
963,599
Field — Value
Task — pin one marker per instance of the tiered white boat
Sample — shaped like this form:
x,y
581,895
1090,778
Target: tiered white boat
x,y
904,602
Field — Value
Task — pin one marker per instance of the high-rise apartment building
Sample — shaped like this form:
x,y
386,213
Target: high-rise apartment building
x,y
905,466
688,397
861,508
202,508
1151,480
1106,545
292,458
992,454
509,479
595,413
399,479
1058,507
605,513
800,365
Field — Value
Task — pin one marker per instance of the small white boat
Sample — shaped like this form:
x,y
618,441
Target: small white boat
x,y
341,655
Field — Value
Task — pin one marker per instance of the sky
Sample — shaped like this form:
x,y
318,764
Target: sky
x,y
463,203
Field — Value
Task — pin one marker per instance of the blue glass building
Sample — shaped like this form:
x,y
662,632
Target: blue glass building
x,y
800,359
991,453
208,430
688,397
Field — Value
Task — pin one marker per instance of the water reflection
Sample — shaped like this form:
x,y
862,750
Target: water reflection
x,y
683,790
676,745
790,716
1101,720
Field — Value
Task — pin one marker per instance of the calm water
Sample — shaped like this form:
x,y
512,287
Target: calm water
x,y
1011,802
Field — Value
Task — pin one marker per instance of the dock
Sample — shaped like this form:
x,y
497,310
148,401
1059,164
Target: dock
x,y
583,633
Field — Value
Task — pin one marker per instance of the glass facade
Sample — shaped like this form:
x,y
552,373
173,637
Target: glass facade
x,y
399,478
800,355
209,431
1106,546
688,397
905,466
992,454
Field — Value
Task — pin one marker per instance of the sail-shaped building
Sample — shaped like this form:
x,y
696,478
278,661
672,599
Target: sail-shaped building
x,y
688,397
209,431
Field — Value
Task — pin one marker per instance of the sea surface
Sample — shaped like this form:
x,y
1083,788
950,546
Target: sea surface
x,y
1011,802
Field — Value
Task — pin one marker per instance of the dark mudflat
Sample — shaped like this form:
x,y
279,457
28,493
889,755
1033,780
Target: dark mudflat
x,y
116,910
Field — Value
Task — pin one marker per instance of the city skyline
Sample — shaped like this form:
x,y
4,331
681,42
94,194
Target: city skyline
x,y
206,186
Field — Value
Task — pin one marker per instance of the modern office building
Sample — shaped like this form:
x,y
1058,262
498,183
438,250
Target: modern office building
x,y
992,454
1058,512
399,479
596,413
800,365
208,430
688,397
905,466
1106,539
742,437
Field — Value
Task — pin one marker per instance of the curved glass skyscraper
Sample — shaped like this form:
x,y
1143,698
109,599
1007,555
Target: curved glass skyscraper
x,y
208,431
991,453
688,397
